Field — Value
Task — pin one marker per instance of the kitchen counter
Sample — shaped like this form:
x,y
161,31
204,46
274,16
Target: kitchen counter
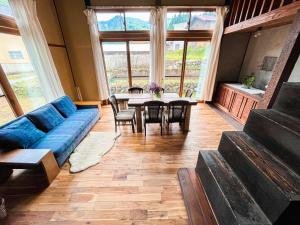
x,y
250,91
236,100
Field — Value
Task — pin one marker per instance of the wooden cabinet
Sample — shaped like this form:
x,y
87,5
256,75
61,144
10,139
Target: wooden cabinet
x,y
235,102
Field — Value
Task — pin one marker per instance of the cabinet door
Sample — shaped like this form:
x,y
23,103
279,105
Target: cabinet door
x,y
228,98
250,104
220,96
236,104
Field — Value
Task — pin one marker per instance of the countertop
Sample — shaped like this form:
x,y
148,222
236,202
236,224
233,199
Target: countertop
x,y
251,91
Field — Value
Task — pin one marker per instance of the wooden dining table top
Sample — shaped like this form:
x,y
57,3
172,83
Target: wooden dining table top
x,y
140,99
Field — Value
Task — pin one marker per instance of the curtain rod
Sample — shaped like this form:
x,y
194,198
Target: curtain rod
x,y
151,7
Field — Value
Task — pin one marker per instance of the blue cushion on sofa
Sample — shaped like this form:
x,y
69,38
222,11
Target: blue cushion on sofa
x,y
65,106
46,117
19,134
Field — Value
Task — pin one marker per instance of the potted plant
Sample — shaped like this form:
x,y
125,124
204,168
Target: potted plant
x,y
249,80
155,89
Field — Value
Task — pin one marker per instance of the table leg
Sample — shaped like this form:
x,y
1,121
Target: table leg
x,y
50,167
187,119
122,105
138,112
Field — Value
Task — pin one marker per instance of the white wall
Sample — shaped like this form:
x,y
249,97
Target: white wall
x,y
269,43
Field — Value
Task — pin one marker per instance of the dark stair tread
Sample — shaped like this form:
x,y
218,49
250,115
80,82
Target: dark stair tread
x,y
288,122
196,203
242,205
272,167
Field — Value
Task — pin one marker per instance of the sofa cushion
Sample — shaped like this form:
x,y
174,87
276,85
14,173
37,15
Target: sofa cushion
x,y
46,117
19,134
63,136
65,106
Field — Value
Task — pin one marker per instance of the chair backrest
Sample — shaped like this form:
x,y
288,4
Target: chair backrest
x,y
136,90
153,110
177,110
188,93
114,104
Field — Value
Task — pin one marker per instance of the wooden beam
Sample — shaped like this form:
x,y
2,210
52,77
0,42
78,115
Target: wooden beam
x,y
128,64
276,17
9,93
183,68
285,64
8,25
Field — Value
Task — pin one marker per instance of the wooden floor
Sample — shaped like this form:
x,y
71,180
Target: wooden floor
x,y
135,183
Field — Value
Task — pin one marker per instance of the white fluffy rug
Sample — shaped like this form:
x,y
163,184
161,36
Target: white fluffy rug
x,y
89,152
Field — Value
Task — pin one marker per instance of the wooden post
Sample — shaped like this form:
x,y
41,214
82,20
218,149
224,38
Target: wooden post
x,y
285,64
9,93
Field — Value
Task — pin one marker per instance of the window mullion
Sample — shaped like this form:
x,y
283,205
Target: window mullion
x,y
183,67
128,64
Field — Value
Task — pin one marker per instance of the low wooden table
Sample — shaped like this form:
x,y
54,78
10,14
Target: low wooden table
x,y
30,159
138,100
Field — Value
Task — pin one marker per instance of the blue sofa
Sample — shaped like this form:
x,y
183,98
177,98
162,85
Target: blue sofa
x,y
59,126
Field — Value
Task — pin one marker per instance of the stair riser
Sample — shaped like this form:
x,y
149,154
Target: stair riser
x,y
216,198
281,141
288,100
271,200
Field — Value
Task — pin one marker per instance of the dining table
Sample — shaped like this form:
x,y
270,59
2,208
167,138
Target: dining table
x,y
137,101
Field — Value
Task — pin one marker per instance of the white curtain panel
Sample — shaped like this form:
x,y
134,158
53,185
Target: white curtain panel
x,y
210,78
157,45
37,47
98,55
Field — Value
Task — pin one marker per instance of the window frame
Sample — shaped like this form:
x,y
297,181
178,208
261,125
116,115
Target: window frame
x,y
144,35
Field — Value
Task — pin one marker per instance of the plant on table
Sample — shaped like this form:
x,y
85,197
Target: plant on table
x,y
155,89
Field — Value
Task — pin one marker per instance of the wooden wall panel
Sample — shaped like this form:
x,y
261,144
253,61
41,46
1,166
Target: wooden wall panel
x,y
62,64
48,18
77,38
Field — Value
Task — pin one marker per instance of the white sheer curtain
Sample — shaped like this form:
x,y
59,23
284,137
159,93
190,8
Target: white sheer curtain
x,y
37,47
209,80
157,45
98,55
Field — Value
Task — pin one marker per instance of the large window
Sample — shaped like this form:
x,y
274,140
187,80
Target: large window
x,y
115,56
173,65
124,37
125,40
19,71
140,63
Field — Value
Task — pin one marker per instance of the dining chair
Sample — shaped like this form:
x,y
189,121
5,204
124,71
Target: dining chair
x,y
176,112
189,93
136,90
153,113
121,115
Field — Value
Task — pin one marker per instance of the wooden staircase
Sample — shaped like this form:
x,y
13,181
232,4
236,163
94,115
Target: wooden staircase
x,y
253,178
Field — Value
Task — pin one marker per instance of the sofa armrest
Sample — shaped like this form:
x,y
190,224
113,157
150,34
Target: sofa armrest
x,y
87,104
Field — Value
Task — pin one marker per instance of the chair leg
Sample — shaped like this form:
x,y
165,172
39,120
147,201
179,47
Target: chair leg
x,y
132,125
161,129
145,128
116,129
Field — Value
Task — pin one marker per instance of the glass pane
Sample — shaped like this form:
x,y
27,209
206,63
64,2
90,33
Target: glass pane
x,y
201,20
115,56
137,20
110,21
5,8
195,67
173,64
177,20
140,63
6,113
16,64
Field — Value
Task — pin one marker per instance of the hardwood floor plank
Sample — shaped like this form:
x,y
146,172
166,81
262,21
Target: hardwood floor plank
x,y
135,183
